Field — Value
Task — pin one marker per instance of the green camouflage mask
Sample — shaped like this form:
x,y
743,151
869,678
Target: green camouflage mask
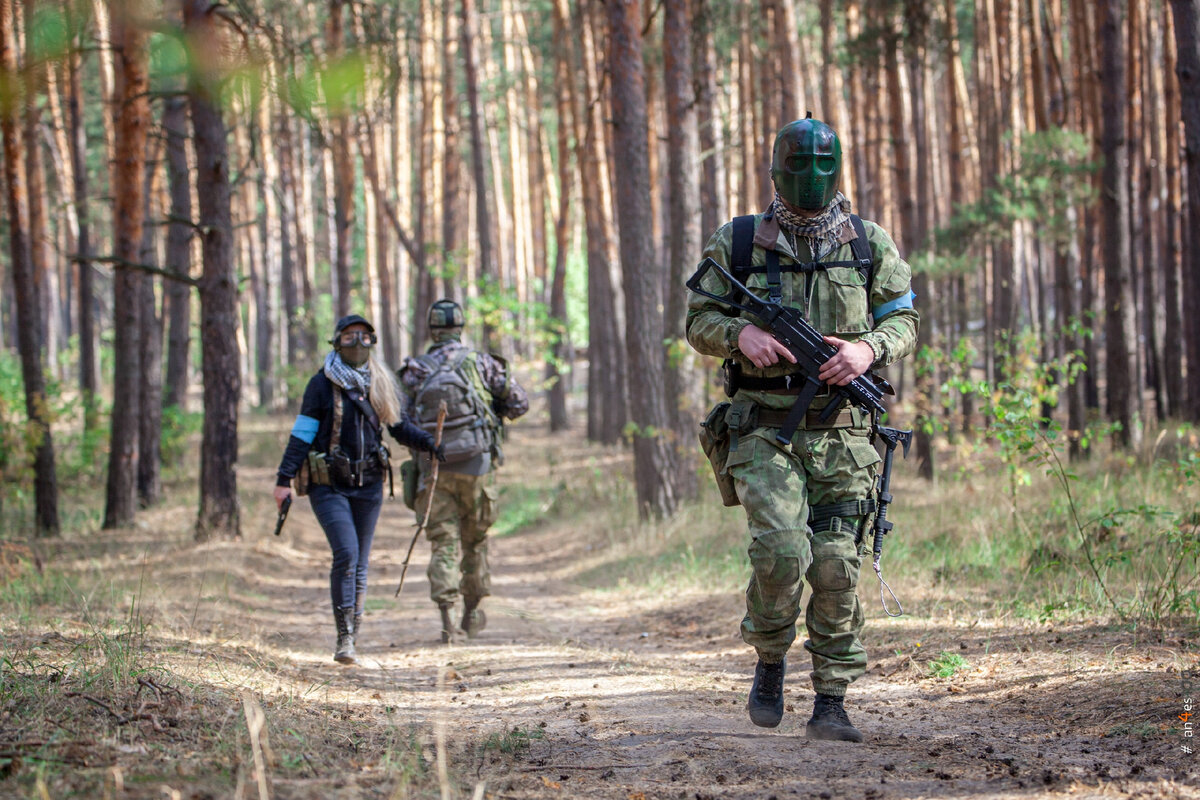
x,y
806,164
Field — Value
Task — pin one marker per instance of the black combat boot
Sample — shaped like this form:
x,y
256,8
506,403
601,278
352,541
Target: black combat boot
x,y
451,633
344,617
766,694
473,619
358,612
829,721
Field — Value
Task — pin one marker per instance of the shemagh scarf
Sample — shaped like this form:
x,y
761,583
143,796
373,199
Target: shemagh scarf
x,y
820,233
346,376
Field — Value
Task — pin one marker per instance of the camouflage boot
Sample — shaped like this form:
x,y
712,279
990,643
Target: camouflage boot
x,y
451,633
829,721
766,694
344,617
473,618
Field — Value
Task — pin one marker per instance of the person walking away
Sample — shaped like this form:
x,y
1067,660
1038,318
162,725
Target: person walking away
x,y
337,448
480,393
807,503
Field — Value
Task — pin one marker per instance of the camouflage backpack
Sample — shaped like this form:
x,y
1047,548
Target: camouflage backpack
x,y
471,425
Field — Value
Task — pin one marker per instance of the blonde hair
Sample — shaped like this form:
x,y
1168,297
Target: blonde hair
x,y
385,391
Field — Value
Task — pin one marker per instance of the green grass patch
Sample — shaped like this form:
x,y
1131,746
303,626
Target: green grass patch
x,y
524,506
946,665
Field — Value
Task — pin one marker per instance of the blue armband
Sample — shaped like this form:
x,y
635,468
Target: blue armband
x,y
305,428
904,301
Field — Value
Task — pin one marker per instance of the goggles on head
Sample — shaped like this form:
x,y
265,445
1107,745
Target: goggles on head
x,y
352,338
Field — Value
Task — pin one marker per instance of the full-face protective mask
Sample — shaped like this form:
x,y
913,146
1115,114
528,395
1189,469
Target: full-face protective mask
x,y
806,164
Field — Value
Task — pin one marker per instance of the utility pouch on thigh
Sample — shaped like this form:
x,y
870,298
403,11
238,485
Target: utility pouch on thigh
x,y
318,469
409,475
302,479
714,439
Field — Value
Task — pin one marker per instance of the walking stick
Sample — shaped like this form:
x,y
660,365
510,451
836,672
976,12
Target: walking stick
x,y
437,440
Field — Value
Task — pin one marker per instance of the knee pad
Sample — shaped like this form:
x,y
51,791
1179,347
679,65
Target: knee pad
x,y
776,559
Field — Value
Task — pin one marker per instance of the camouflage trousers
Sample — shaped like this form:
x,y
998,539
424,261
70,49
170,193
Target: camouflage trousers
x,y
464,507
777,486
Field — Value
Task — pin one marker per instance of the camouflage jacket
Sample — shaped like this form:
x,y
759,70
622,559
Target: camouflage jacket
x,y
509,398
834,300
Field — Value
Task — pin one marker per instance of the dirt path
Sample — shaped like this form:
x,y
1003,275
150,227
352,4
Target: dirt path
x,y
624,694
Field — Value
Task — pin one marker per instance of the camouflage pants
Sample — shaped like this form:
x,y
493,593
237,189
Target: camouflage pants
x,y
464,507
777,486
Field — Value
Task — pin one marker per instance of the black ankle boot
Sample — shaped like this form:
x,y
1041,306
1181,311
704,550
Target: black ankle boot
x,y
344,617
358,614
451,633
829,721
473,618
766,694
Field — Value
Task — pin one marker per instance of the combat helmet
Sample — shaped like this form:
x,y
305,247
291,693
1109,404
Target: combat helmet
x,y
446,313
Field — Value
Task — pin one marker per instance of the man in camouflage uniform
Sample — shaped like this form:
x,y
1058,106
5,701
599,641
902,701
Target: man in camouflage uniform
x,y
464,500
807,504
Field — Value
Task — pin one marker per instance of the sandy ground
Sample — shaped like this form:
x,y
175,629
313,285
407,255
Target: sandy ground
x,y
620,693
632,695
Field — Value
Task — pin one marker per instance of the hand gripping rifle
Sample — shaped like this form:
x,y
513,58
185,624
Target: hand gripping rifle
x,y
805,344
808,347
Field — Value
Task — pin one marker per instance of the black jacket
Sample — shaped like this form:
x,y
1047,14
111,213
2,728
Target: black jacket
x,y
359,437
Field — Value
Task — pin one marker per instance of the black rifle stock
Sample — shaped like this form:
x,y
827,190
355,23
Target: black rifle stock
x,y
810,350
805,343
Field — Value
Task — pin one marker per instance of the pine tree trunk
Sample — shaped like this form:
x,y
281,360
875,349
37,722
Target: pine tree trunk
x,y
44,278
1187,41
453,203
291,241
179,252
714,195
218,514
656,474
150,388
684,242
607,368
1176,330
28,312
132,123
483,215
88,362
561,347
343,175
917,228
1120,327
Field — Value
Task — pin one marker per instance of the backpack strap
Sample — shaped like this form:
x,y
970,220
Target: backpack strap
x,y
861,247
741,254
368,411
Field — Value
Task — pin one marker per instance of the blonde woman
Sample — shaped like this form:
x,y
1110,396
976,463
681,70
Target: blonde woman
x,y
339,432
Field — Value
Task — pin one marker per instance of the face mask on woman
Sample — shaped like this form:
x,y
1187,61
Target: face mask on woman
x,y
354,347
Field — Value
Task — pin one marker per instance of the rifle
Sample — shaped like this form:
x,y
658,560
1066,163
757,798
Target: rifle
x,y
891,437
283,512
808,347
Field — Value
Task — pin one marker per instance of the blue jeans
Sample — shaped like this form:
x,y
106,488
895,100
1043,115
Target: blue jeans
x,y
348,520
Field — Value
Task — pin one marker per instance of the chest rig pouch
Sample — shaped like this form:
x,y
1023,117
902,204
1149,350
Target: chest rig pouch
x,y
352,472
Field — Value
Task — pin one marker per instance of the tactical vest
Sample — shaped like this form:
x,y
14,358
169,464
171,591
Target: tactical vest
x,y
470,428
850,281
